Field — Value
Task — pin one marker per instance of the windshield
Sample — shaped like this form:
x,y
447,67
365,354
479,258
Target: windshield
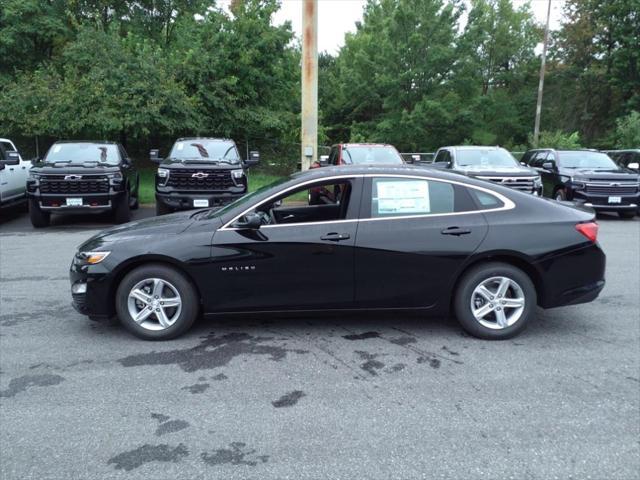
x,y
245,200
582,159
370,154
83,152
489,157
204,150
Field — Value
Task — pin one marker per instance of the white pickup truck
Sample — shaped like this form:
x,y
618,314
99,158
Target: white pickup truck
x,y
13,174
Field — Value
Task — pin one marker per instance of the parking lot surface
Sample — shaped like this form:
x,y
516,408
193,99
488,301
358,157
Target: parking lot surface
x,y
331,396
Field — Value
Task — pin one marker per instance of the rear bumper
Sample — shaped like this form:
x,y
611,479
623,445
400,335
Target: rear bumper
x,y
185,201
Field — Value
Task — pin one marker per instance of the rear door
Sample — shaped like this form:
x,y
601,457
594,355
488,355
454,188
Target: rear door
x,y
414,235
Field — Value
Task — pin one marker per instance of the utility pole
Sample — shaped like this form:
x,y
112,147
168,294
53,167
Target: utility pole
x,y
536,128
309,125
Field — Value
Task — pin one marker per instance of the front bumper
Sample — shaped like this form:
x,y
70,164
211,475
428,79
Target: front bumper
x,y
185,201
602,203
94,301
91,202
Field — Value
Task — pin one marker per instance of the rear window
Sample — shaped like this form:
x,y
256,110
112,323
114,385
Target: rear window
x,y
485,200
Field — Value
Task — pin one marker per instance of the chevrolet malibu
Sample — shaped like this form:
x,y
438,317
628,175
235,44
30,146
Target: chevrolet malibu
x,y
395,238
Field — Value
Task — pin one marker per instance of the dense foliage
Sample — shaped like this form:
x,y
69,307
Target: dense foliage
x,y
418,74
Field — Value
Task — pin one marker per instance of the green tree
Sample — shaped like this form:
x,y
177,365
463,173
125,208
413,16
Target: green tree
x,y
628,131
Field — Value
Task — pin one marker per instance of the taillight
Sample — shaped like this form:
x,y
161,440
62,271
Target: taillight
x,y
589,230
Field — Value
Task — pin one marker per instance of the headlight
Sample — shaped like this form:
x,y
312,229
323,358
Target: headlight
x,y
577,184
163,173
537,182
115,176
237,173
93,258
33,176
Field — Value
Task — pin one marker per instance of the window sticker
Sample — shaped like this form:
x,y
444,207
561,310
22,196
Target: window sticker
x,y
56,149
403,197
180,146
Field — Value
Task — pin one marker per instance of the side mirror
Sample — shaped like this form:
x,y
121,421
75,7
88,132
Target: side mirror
x,y
523,164
324,160
13,158
154,155
415,159
634,166
251,221
549,165
254,159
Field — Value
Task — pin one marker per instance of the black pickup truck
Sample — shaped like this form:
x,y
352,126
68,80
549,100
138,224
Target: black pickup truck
x,y
587,177
200,172
82,177
493,164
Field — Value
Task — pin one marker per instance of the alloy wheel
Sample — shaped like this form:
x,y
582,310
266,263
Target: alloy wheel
x,y
154,304
497,302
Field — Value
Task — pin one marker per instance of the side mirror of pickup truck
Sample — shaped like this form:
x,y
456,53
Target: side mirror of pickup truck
x,y
549,165
250,221
13,158
324,160
634,166
254,159
154,155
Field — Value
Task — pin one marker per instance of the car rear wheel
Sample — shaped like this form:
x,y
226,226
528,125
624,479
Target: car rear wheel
x,y
156,302
560,196
162,209
39,219
495,301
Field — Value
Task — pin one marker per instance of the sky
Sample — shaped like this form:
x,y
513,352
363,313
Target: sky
x,y
336,17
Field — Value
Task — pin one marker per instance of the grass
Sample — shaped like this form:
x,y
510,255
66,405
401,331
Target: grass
x,y
147,183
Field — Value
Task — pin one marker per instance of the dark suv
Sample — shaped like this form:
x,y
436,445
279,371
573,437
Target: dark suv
x,y
494,164
199,173
586,177
82,177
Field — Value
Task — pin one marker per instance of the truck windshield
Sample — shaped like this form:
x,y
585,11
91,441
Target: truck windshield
x,y
205,150
582,159
83,152
371,154
490,157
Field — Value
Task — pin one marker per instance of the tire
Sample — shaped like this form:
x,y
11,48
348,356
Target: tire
x,y
121,211
513,319
175,287
627,215
162,209
560,196
39,219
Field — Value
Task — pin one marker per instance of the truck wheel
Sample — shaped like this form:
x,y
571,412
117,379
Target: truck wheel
x,y
156,302
627,214
495,301
162,209
136,203
39,219
121,212
560,196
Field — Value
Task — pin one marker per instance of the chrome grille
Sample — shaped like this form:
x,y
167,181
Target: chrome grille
x,y
203,179
57,184
613,188
517,183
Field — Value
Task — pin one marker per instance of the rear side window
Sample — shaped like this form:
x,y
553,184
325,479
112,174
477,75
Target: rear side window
x,y
485,200
393,197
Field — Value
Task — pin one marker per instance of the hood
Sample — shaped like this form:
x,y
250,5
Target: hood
x,y
488,170
153,228
198,165
599,175
73,169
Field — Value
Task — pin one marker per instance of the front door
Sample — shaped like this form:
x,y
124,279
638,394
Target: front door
x,y
413,237
302,257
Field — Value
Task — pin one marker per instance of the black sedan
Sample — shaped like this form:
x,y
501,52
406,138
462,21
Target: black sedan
x,y
396,238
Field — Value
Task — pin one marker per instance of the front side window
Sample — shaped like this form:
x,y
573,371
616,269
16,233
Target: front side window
x,y
397,197
295,206
202,149
83,152
443,156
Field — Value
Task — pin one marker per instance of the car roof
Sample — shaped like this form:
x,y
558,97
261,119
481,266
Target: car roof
x,y
215,139
375,145
474,147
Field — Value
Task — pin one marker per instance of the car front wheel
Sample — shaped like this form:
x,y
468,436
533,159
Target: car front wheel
x,y
156,302
39,219
495,301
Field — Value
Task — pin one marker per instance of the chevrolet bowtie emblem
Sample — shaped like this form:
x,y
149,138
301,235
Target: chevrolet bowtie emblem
x,y
73,177
200,175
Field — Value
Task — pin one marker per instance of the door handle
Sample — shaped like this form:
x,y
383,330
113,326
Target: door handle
x,y
457,231
335,237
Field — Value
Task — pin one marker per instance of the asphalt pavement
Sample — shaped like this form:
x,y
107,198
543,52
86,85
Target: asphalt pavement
x,y
326,396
